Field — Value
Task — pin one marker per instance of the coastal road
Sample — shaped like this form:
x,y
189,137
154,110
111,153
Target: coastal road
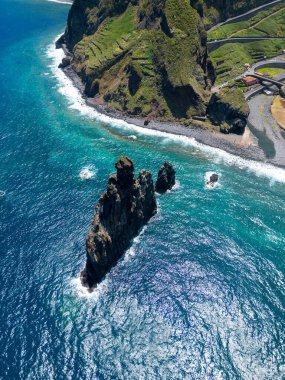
x,y
237,18
256,90
272,62
260,121
213,45
254,25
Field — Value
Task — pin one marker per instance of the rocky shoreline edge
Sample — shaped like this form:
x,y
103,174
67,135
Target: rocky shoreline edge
x,y
245,146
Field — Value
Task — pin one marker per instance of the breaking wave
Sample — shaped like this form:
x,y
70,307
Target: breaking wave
x,y
87,172
207,180
216,155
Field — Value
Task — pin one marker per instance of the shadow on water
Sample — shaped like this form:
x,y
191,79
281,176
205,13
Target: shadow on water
x,y
263,142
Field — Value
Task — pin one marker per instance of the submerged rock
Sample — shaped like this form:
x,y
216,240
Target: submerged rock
x,y
165,178
126,206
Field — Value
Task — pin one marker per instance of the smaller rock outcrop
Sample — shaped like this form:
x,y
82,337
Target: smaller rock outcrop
x,y
213,180
126,206
66,61
165,178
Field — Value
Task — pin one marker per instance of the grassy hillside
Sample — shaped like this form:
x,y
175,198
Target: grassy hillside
x,y
229,59
142,57
267,23
215,11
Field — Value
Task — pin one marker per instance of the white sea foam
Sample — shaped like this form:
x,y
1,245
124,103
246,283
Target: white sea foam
x,y
82,292
132,250
72,94
132,137
60,2
176,186
87,172
214,185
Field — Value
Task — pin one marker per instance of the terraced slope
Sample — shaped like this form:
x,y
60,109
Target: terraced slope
x,y
142,57
266,23
229,59
215,11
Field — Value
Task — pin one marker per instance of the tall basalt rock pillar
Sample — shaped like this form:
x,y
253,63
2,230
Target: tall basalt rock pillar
x,y
126,206
165,178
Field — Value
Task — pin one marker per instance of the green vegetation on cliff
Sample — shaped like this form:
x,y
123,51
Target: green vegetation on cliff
x,y
142,57
215,11
149,58
229,110
266,23
230,58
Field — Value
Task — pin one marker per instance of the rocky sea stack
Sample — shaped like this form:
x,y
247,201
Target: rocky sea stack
x,y
126,206
165,179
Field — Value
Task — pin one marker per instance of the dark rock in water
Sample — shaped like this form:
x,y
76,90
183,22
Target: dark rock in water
x,y
214,178
65,62
122,211
165,178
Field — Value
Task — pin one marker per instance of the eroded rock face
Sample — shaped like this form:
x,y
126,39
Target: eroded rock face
x,y
126,206
66,61
229,110
165,178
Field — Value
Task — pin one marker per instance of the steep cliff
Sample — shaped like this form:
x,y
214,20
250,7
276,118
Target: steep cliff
x,y
122,211
142,57
229,110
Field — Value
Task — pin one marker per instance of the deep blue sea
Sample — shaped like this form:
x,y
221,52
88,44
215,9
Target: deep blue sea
x,y
201,293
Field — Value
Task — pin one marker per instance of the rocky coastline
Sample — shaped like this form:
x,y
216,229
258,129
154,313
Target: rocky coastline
x,y
234,144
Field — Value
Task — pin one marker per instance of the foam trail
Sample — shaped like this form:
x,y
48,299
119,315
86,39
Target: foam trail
x,y
87,172
216,155
60,2
207,179
82,292
132,250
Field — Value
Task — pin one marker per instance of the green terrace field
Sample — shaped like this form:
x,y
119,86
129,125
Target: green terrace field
x,y
271,71
111,40
229,59
267,23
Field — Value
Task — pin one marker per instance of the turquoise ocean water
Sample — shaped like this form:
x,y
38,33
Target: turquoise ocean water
x,y
201,293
